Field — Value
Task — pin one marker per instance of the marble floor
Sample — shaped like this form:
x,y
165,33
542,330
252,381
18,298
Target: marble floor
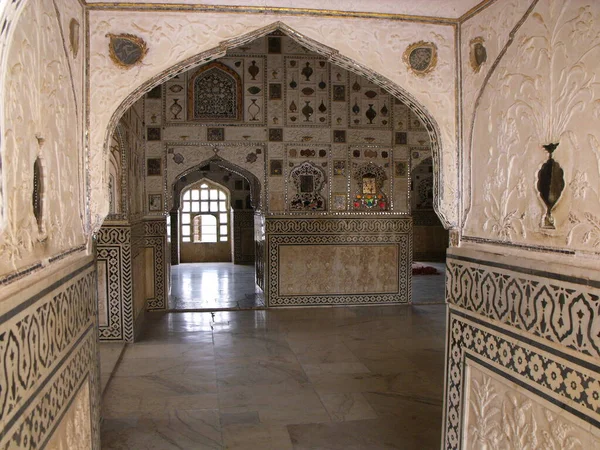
x,y
313,378
214,286
220,286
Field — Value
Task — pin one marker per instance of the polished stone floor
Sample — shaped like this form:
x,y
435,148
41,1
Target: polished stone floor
x,y
217,286
210,286
312,378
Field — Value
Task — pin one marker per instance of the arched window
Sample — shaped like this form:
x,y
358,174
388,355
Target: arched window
x,y
204,214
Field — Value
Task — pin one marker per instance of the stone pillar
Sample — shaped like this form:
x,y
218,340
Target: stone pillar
x,y
157,272
242,230
174,237
115,282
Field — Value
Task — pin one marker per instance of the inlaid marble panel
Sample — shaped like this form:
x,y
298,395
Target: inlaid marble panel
x,y
325,261
338,269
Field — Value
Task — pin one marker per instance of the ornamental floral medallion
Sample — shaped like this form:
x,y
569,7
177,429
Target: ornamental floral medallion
x,y
421,57
126,50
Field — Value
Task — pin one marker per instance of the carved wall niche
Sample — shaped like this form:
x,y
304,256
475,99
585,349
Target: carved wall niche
x,y
369,195
477,53
308,180
215,94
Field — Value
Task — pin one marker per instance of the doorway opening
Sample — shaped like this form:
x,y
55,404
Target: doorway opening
x,y
212,237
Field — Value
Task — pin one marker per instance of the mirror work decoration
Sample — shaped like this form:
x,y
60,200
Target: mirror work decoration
x,y
421,57
126,50
215,94
550,185
308,180
369,194
477,54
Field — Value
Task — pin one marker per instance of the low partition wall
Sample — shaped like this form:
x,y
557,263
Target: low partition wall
x,y
337,260
523,355
49,378
132,276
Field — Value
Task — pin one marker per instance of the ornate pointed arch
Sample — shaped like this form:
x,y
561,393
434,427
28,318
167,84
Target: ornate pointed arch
x,y
194,174
442,210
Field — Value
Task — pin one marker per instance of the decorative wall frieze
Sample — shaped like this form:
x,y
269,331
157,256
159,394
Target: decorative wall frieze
x,y
347,225
48,350
568,382
547,305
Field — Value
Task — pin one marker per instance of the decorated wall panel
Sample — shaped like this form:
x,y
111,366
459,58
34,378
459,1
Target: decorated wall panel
x,y
544,90
49,357
113,251
370,258
43,125
523,342
491,28
315,112
155,241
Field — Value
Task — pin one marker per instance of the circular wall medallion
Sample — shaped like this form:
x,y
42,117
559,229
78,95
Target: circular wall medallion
x,y
477,53
126,50
421,57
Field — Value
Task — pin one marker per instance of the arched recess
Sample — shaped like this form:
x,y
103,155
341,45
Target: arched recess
x,y
231,103
334,57
194,175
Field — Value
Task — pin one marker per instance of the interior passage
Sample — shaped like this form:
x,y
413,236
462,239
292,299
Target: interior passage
x,y
216,286
334,378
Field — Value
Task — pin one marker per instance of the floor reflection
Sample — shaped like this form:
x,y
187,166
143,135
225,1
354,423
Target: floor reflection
x,y
214,286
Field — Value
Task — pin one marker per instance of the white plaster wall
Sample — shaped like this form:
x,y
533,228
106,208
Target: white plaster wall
x,y
494,25
545,89
173,37
431,8
42,84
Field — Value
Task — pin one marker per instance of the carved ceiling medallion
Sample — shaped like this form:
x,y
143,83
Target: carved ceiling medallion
x,y
421,57
126,50
477,53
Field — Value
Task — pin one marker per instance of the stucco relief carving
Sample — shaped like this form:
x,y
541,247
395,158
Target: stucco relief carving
x,y
74,431
501,417
493,25
192,33
41,118
545,90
